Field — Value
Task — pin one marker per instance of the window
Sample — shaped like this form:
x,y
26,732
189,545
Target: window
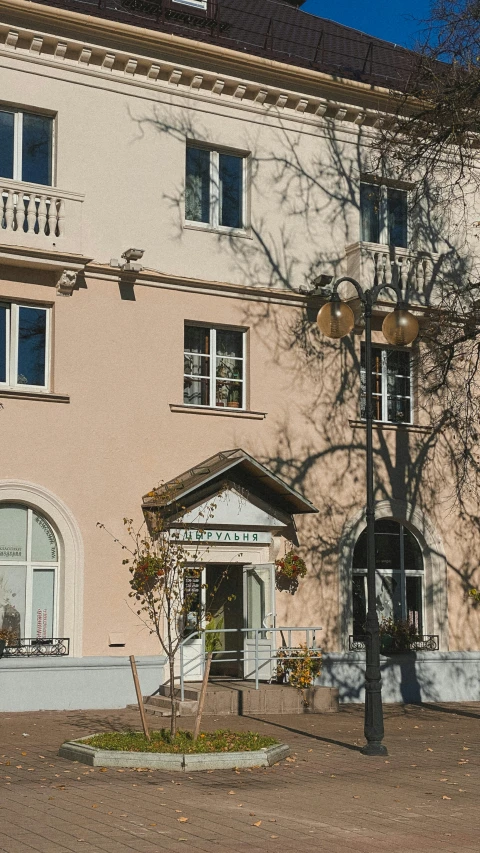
x,y
391,385
383,215
24,346
26,147
28,573
399,576
197,4
214,188
214,367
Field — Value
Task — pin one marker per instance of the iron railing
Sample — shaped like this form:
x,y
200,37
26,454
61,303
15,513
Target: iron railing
x,y
38,647
424,643
258,653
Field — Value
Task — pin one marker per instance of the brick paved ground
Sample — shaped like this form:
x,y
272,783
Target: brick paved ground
x,y
423,797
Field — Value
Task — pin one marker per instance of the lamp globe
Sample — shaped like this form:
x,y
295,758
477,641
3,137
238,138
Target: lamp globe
x,y
335,319
400,327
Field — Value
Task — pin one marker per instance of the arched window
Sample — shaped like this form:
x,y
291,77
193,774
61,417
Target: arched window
x,y
29,560
399,576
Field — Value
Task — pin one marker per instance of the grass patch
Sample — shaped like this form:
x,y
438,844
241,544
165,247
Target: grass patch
x,y
222,740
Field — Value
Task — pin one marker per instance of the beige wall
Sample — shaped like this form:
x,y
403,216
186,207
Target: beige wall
x,y
122,145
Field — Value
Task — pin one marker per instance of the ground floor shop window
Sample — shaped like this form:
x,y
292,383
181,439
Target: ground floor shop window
x,y
399,577
28,573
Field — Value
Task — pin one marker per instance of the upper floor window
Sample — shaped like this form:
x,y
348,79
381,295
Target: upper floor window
x,y
214,367
24,346
26,146
215,188
28,573
383,215
391,383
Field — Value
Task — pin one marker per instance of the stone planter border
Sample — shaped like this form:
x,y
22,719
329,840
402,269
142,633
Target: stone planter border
x,y
76,750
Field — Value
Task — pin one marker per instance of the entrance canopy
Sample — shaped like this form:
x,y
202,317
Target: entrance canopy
x,y
246,493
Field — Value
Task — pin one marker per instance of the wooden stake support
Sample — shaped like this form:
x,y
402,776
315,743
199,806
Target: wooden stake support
x,y
139,697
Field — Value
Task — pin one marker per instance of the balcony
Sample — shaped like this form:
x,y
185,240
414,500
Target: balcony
x,y
40,217
371,263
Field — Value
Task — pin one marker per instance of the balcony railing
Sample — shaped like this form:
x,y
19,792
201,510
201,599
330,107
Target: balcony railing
x,y
424,643
44,217
28,647
373,264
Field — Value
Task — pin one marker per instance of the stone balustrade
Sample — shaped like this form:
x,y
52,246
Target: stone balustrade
x,y
412,271
44,217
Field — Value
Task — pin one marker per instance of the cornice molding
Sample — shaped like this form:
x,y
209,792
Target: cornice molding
x,y
154,278
185,66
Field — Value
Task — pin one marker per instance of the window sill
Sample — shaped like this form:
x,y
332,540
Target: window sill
x,y
228,413
34,395
386,425
218,229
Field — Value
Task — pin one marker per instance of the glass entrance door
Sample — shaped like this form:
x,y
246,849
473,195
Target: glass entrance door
x,y
259,613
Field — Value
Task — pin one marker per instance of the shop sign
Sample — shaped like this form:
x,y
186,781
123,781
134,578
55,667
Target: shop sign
x,y
230,537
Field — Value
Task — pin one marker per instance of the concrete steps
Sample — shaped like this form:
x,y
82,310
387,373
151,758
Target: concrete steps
x,y
227,697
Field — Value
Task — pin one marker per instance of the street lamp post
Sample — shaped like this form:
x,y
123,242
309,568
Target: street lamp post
x,y
400,328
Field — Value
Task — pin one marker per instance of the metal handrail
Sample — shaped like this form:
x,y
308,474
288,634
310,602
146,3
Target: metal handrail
x,y
310,633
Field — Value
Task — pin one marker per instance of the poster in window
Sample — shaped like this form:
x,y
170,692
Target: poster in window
x,y
42,603
12,599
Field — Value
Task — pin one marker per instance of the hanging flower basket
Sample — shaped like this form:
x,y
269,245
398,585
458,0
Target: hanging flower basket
x,y
148,573
288,571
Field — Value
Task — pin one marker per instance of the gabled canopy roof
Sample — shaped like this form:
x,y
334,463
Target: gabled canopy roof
x,y
239,468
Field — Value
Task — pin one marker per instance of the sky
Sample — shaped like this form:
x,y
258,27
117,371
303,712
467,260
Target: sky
x,y
398,21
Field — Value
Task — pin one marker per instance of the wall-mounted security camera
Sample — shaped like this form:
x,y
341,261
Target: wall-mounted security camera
x,y
133,255
130,265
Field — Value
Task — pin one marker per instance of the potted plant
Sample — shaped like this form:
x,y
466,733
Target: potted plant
x,y
397,636
299,666
288,570
234,397
7,638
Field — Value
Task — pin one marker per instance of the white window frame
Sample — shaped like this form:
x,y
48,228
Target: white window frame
x,y
196,4
212,377
18,141
410,397
403,572
11,368
383,212
214,223
31,566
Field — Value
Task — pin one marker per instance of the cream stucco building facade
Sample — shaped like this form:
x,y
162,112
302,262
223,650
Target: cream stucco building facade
x,y
242,174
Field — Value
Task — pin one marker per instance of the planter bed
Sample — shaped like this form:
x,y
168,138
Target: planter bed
x,y
173,758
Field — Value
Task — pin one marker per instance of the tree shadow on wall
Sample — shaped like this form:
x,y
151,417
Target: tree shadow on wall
x,y
316,443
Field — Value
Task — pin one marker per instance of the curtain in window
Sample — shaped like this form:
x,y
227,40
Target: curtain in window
x,y
197,185
370,213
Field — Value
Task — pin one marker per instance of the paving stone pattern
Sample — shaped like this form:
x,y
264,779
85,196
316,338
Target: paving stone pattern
x,y
328,797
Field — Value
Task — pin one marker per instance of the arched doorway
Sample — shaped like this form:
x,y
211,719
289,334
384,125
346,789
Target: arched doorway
x,y
400,576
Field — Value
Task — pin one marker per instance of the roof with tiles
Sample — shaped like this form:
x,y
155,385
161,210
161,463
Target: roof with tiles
x,y
276,29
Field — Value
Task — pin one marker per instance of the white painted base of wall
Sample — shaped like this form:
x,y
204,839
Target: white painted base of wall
x,y
415,677
58,684
67,684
